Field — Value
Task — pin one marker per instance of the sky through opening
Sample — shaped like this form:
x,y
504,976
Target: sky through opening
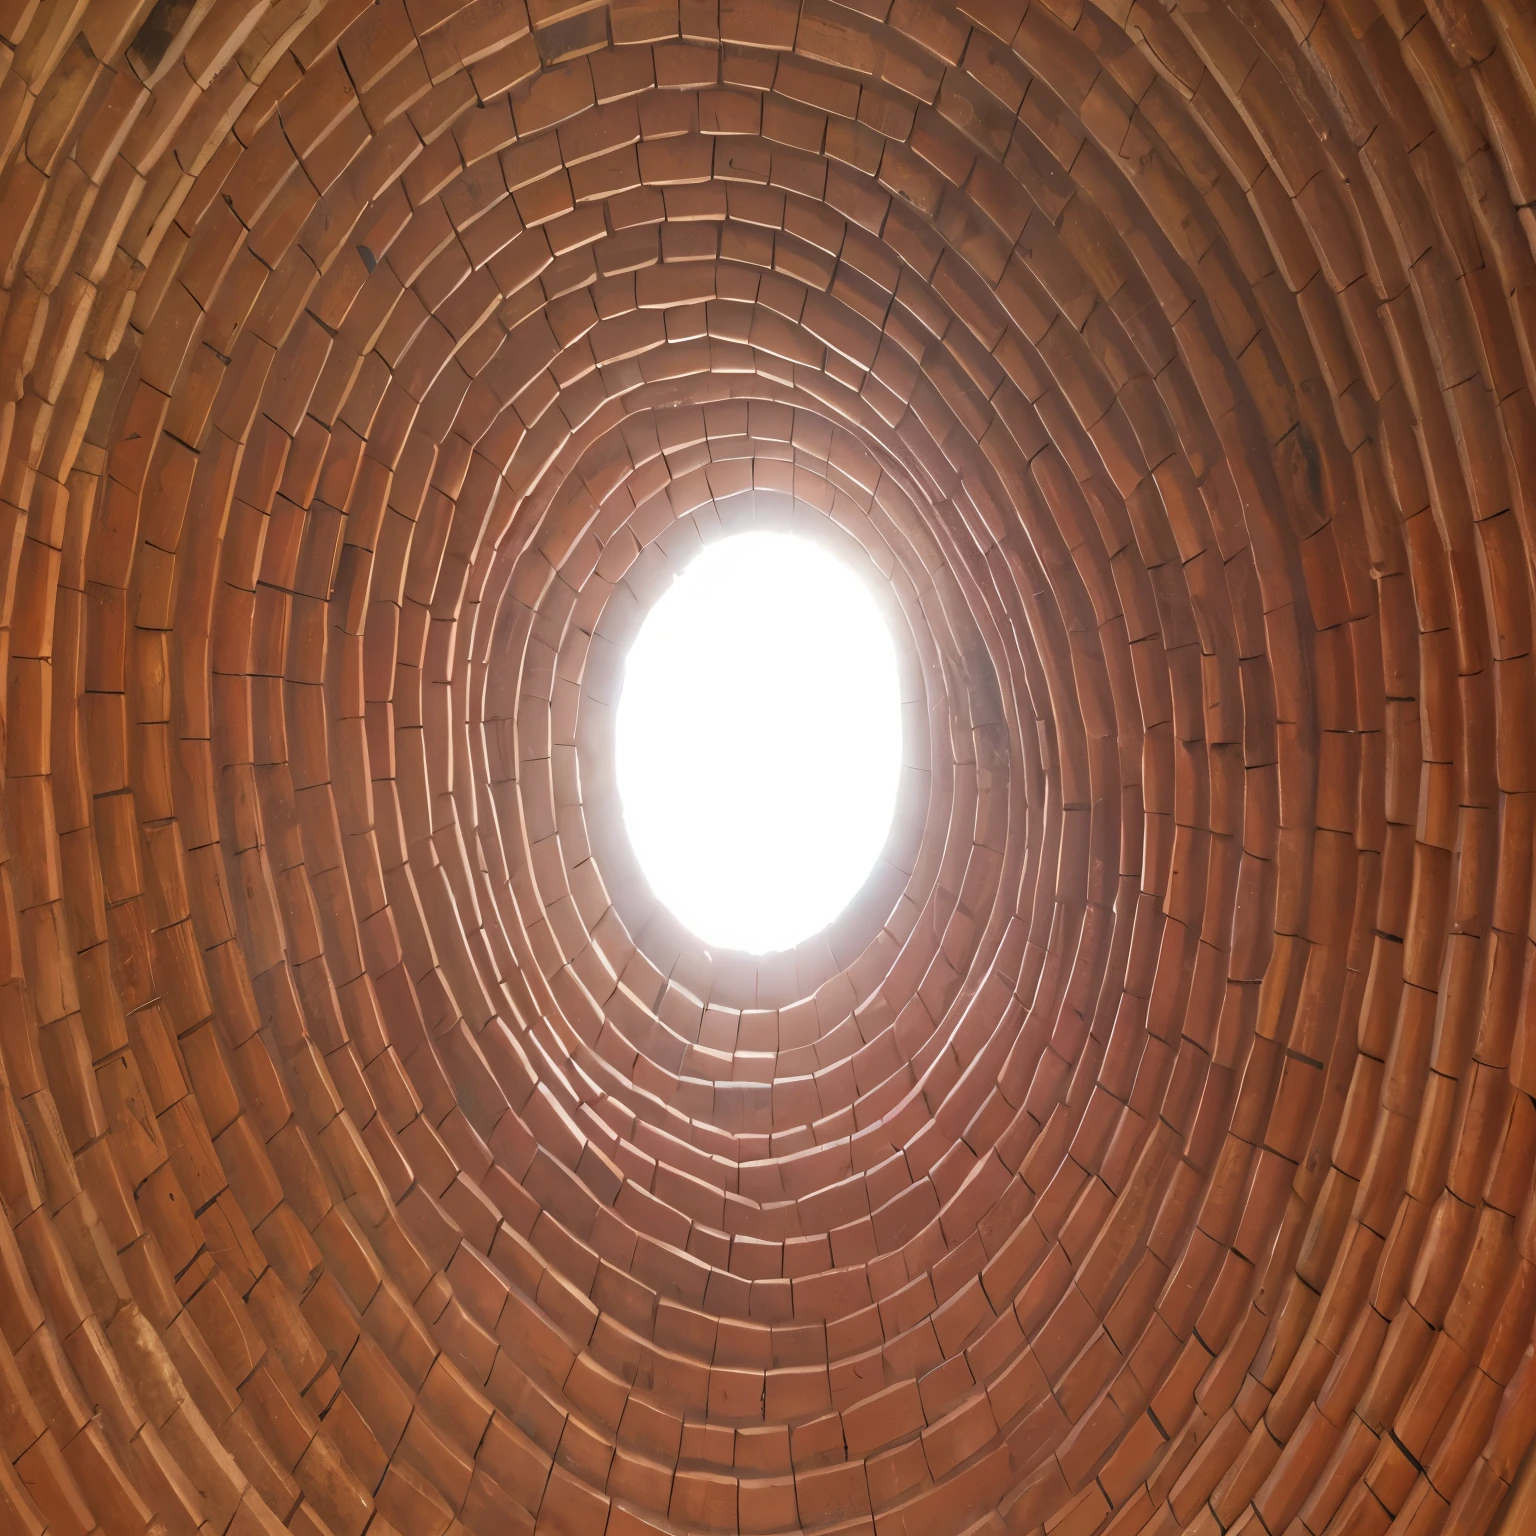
x,y
758,741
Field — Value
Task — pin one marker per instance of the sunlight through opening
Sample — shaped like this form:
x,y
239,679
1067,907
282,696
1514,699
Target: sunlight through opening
x,y
758,741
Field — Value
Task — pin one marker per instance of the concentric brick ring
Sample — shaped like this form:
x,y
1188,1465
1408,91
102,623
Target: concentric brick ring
x,y
1150,1146
600,621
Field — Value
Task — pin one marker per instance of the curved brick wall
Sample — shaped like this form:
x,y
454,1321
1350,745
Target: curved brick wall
x,y
1149,1148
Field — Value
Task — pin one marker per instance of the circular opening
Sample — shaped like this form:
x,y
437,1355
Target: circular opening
x,y
758,741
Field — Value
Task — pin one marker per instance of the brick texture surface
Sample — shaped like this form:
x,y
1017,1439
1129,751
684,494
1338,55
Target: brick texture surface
x,y
1149,1149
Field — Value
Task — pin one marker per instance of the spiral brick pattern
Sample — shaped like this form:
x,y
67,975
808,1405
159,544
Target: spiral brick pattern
x,y
1148,1149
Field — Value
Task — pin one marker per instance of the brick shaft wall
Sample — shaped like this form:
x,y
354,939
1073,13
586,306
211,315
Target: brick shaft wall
x,y
1149,1149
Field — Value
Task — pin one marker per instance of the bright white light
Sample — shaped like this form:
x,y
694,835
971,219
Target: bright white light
x,y
758,741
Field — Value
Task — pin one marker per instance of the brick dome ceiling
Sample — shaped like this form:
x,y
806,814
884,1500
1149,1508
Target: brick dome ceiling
x,y
1149,1147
